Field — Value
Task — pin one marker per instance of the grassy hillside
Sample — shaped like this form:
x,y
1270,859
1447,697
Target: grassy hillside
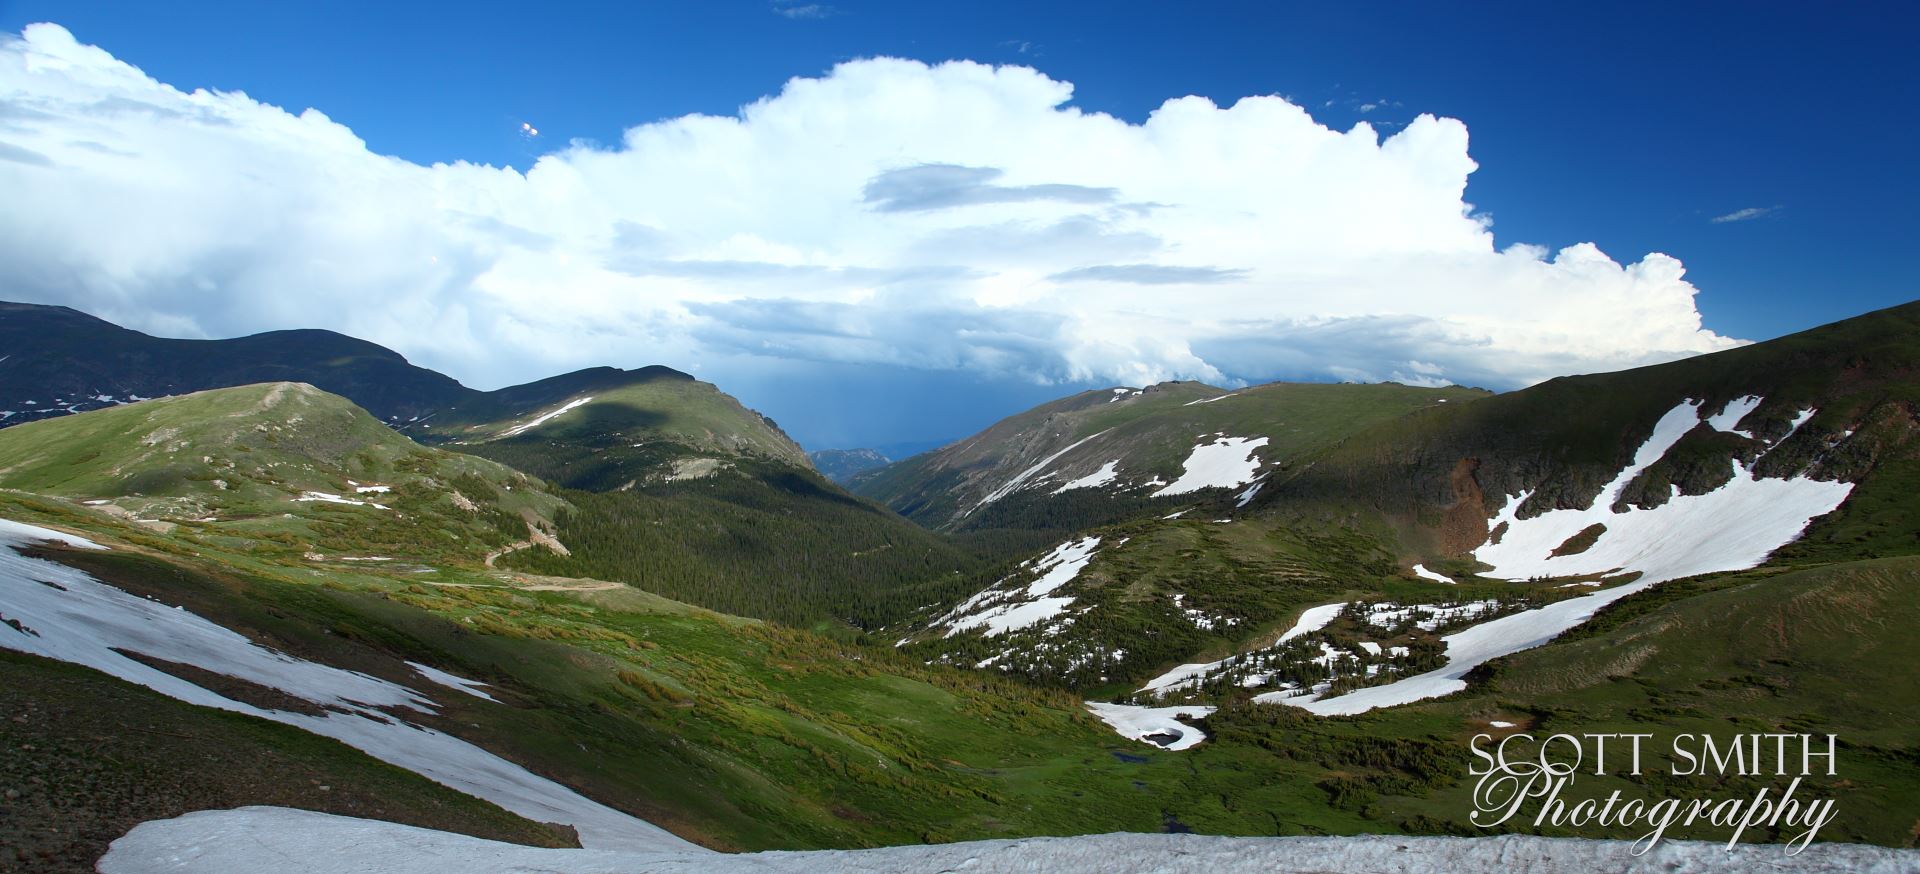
x,y
739,734
1162,592
747,735
1441,472
1146,434
677,488
605,428
761,539
1766,651
1347,519
281,468
755,536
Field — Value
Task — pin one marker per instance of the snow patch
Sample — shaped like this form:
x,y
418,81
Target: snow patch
x,y
546,417
1732,413
1107,473
1422,572
1313,619
471,687
1222,464
1159,726
1246,497
330,498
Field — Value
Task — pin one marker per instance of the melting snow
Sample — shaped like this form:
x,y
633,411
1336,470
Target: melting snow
x,y
1020,479
1211,399
1154,725
1422,572
1731,415
999,610
327,498
1222,464
1730,528
543,419
1246,497
1107,473
19,533
86,621
1311,620
1200,618
1426,617
1180,675
471,687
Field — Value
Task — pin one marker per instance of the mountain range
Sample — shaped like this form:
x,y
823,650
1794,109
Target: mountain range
x,y
619,609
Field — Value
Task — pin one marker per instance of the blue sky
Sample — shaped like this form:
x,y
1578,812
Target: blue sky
x,y
1633,127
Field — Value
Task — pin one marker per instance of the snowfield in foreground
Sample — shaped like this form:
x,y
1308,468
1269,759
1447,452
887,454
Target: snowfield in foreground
x,y
66,614
255,839
1731,528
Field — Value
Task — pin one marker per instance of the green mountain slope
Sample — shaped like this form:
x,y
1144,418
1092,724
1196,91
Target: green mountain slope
x,y
305,476
735,733
761,539
1765,651
64,361
1104,455
677,488
749,736
1442,473
282,467
1399,519
605,428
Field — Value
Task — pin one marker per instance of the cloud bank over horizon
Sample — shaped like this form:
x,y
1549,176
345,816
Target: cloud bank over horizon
x,y
955,217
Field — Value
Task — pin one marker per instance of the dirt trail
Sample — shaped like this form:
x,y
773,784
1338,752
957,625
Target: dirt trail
x,y
515,546
526,584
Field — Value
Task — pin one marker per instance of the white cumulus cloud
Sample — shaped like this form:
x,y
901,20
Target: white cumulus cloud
x,y
950,217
